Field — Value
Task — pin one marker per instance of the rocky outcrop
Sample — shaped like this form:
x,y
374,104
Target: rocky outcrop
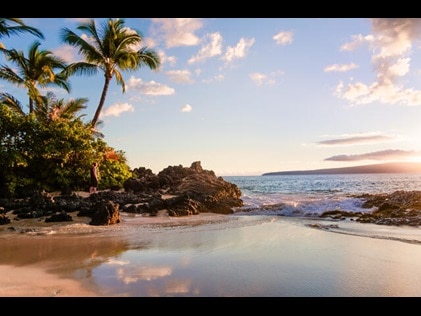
x,y
194,189
182,191
397,208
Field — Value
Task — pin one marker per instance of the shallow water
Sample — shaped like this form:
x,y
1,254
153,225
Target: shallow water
x,y
260,257
241,256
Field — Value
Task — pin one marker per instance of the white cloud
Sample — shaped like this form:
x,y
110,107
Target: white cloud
x,y
171,60
117,109
390,44
186,108
358,40
67,53
148,88
212,47
238,51
400,68
340,68
283,38
177,31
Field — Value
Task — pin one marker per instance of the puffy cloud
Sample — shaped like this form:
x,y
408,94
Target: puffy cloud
x,y
177,31
283,38
391,46
68,53
148,88
186,108
212,47
238,51
117,109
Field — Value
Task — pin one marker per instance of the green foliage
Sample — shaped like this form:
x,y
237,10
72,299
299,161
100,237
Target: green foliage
x,y
50,148
53,157
113,173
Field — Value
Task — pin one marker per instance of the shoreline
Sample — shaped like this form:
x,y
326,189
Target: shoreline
x,y
35,255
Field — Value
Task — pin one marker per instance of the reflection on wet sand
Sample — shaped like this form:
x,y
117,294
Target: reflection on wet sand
x,y
223,256
67,257
37,255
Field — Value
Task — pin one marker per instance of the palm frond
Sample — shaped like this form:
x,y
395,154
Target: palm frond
x,y
13,103
15,26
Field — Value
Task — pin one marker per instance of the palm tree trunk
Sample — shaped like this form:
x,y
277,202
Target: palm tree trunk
x,y
31,105
101,102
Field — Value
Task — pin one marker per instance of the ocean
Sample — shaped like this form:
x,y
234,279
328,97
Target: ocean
x,y
311,195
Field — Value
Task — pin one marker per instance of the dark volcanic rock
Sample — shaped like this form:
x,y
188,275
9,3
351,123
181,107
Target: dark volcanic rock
x,y
397,208
214,194
196,190
62,217
182,191
105,213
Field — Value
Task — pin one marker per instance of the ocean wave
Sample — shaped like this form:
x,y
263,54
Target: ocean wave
x,y
300,206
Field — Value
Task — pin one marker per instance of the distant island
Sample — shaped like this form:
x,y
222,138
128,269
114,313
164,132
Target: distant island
x,y
390,167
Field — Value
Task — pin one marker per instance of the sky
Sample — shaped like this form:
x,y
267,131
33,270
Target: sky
x,y
246,96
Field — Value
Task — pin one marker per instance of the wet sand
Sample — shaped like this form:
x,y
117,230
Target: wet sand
x,y
208,255
24,281
38,259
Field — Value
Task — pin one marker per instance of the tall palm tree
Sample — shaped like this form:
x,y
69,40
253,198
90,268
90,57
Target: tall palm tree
x,y
109,49
36,70
9,26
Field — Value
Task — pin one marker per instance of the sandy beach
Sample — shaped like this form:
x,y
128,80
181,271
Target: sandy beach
x,y
208,255
37,258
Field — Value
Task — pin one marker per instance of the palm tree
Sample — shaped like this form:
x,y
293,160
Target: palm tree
x,y
35,71
109,49
53,109
9,26
50,109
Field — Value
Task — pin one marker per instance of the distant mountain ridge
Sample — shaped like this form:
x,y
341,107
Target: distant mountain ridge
x,y
389,167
